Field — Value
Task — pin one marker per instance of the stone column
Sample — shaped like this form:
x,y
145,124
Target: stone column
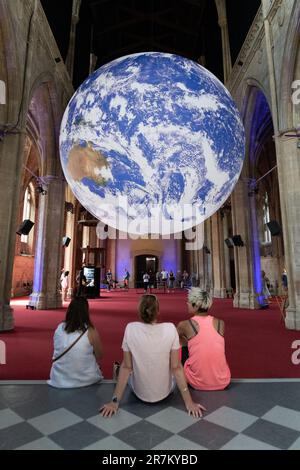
x,y
218,257
288,174
47,268
287,153
11,158
222,15
245,296
205,260
111,256
71,50
69,260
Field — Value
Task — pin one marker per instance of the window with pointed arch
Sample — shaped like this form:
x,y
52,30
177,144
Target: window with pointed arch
x,y
267,238
28,213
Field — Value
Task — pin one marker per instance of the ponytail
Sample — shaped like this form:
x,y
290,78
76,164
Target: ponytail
x,y
148,308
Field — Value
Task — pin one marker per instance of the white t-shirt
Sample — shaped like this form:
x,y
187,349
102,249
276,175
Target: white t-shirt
x,y
150,346
146,277
164,275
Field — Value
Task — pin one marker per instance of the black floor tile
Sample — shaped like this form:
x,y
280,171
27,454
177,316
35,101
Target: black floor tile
x,y
78,436
273,434
143,435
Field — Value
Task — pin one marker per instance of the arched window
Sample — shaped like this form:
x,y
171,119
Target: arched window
x,y
267,238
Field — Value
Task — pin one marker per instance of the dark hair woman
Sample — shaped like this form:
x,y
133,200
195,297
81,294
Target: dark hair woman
x,y
77,346
151,358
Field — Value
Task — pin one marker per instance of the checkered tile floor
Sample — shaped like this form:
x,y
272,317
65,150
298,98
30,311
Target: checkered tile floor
x,y
247,416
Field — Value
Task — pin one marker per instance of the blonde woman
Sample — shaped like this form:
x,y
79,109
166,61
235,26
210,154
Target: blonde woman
x,y
151,361
206,367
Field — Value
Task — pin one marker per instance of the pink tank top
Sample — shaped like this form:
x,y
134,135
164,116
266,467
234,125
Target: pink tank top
x,y
207,368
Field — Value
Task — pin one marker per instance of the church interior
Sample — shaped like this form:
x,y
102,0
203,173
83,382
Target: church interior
x,y
247,258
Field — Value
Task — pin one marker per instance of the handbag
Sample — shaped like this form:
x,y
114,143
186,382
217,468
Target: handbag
x,y
70,347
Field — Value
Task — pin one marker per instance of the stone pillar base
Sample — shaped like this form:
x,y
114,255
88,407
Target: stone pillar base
x,y
219,293
244,300
6,318
45,301
292,320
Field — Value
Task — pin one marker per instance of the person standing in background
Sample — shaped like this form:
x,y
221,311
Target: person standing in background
x,y
164,278
284,279
126,279
185,278
171,280
158,279
265,288
109,279
81,283
146,280
65,285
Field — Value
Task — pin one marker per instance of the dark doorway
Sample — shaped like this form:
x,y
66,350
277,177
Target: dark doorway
x,y
143,264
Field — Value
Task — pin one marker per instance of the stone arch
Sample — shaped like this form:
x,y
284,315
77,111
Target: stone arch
x,y
261,158
10,68
45,111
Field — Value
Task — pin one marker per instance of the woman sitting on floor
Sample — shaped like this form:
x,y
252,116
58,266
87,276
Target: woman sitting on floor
x,y
77,346
205,364
150,360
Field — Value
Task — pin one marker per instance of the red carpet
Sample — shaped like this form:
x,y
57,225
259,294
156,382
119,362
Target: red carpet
x,y
258,346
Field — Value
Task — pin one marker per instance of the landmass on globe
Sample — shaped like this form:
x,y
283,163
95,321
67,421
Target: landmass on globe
x,y
85,162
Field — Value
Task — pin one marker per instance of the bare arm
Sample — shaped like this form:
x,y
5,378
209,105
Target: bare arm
x,y
111,408
182,333
95,341
195,409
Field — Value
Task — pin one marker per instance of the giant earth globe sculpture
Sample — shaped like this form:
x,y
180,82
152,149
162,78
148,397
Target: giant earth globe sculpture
x,y
152,143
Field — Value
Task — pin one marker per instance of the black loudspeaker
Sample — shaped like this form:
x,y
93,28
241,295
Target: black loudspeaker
x,y
25,227
274,228
237,240
66,241
229,242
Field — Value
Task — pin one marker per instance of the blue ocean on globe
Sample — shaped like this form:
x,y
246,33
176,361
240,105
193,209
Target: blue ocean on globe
x,y
152,143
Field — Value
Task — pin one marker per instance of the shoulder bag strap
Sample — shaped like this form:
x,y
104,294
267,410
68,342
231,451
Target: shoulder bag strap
x,y
70,347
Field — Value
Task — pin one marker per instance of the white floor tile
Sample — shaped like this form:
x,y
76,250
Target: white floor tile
x,y
40,444
109,443
284,416
172,420
54,421
178,443
118,422
231,419
9,418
